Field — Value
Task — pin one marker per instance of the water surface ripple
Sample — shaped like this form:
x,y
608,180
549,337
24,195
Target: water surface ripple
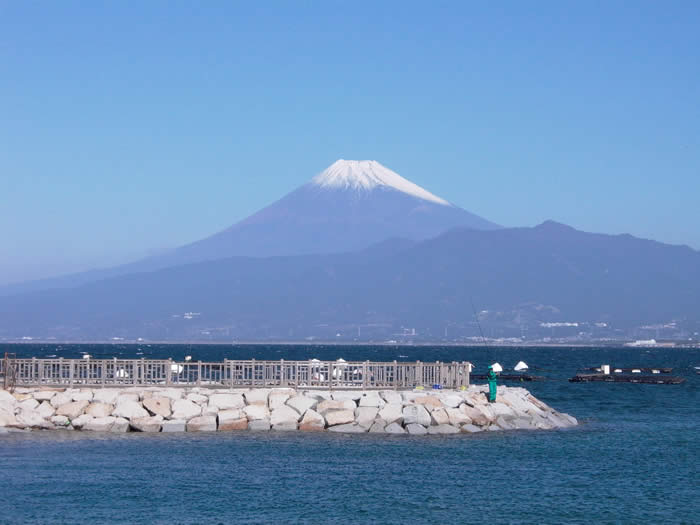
x,y
633,459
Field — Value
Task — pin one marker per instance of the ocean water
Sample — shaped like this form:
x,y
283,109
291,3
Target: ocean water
x,y
634,458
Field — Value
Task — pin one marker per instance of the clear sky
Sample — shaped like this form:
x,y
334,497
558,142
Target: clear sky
x,y
131,127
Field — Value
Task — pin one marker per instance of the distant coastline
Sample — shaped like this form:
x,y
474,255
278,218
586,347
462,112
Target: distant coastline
x,y
490,344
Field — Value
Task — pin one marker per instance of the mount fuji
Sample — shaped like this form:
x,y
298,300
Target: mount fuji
x,y
349,206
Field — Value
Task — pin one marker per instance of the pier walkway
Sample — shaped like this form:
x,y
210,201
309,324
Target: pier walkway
x,y
231,373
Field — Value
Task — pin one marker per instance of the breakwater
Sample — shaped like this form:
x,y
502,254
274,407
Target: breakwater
x,y
198,409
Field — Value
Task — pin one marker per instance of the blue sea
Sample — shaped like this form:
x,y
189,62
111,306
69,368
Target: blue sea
x,y
634,458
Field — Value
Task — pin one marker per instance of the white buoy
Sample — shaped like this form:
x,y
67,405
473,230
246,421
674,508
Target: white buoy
x,y
521,366
497,367
87,356
188,358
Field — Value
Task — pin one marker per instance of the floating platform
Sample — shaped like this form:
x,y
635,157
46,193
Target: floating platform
x,y
627,378
635,370
508,377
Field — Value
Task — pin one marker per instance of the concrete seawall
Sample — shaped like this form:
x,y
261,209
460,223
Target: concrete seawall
x,y
156,409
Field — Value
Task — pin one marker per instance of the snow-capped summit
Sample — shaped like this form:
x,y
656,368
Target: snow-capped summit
x,y
349,206
367,175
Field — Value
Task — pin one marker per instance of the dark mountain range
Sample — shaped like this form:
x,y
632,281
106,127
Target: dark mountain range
x,y
516,275
349,206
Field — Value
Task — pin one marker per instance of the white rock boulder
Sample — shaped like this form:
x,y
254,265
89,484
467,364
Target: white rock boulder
x,y
158,406
60,421
71,410
227,401
256,412
44,395
392,413
61,398
80,421
348,428
259,425
130,410
339,417
233,419
81,395
202,424
147,424
185,409
312,421
394,428
99,409
365,415
257,396
416,429
284,416
46,410
391,397
416,414
107,396
100,424
174,425
302,403
443,429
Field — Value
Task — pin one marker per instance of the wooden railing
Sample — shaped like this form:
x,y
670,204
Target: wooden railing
x,y
252,373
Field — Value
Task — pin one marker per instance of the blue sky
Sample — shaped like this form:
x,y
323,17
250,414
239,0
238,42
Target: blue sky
x,y
129,128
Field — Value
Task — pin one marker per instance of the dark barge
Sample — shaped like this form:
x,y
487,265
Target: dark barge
x,y
646,369
627,378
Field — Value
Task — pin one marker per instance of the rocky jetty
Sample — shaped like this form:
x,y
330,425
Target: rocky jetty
x,y
280,409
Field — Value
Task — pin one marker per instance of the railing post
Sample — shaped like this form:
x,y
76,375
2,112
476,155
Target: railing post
x,y
282,380
396,375
419,373
71,371
169,371
365,374
199,373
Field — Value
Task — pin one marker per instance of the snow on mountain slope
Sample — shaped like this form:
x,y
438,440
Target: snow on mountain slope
x,y
367,175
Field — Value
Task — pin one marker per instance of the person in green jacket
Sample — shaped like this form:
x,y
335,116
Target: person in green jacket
x,y
491,376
